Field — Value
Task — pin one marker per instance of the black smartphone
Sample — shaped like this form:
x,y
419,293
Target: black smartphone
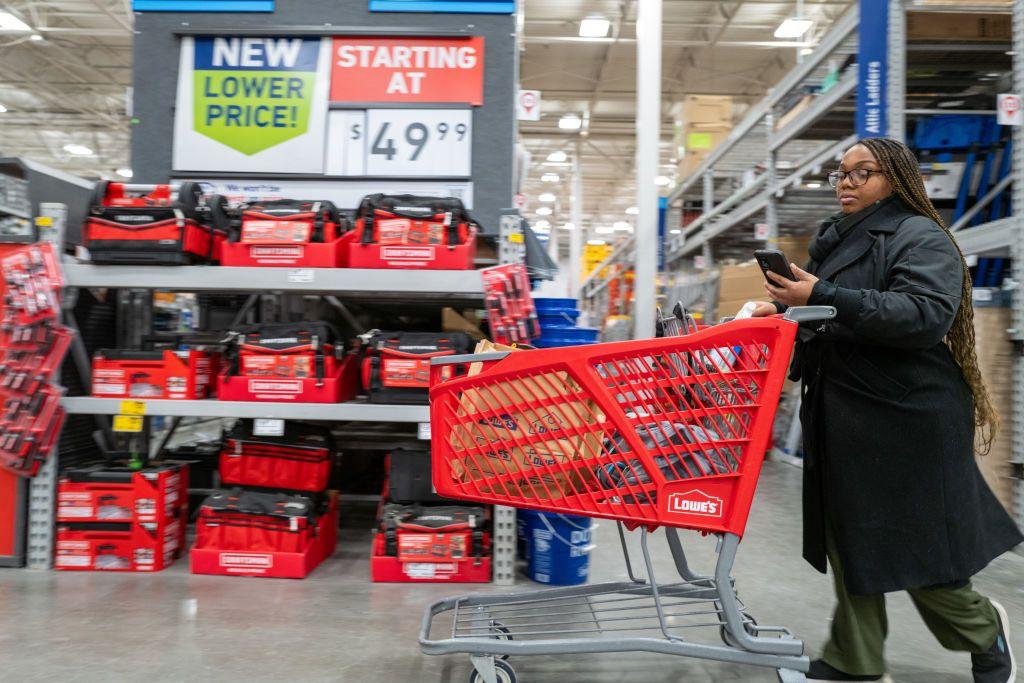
x,y
775,261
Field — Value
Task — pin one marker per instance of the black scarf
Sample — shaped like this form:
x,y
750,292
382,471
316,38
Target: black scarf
x,y
837,227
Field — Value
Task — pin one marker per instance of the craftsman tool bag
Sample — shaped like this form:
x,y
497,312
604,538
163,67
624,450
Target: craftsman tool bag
x,y
302,350
298,460
410,220
289,221
154,224
255,521
416,533
396,365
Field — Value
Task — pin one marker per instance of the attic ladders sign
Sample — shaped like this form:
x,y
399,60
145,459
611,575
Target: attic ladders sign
x,y
251,104
873,66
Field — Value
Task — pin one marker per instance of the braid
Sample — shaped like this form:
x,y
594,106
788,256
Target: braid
x,y
900,166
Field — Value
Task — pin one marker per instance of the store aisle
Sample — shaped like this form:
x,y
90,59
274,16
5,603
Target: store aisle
x,y
336,626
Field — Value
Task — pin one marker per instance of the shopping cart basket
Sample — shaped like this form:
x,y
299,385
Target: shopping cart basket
x,y
661,432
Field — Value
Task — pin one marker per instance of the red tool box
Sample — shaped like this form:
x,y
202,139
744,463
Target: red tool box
x,y
289,233
244,533
119,547
396,365
154,224
410,232
185,374
100,493
299,460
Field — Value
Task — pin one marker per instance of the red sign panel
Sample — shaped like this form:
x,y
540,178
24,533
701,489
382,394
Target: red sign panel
x,y
423,70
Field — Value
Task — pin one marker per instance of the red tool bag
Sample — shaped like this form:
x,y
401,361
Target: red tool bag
x,y
154,224
261,522
300,460
433,534
171,374
293,221
396,365
303,350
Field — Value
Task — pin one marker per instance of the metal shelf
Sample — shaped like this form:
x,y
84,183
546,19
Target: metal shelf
x,y
353,283
990,239
15,212
353,411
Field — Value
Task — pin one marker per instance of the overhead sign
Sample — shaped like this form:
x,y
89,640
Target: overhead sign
x,y
1009,108
251,104
445,6
203,5
420,70
528,105
873,65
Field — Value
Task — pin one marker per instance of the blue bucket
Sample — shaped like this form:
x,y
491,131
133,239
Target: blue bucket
x,y
558,321
557,547
571,336
553,305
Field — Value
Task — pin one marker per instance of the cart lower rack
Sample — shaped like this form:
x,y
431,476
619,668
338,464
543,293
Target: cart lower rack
x,y
665,432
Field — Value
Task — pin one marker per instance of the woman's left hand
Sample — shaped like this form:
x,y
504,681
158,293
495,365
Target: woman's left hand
x,y
789,292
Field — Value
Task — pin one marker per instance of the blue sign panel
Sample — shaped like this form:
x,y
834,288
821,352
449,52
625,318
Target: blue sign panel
x,y
873,65
203,5
662,216
445,6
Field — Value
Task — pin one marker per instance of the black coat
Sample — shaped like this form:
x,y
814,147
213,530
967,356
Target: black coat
x,y
888,419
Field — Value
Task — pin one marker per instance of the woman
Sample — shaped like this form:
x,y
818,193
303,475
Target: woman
x,y
891,398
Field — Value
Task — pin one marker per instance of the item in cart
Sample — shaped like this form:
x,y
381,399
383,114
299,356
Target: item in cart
x,y
396,365
299,460
289,233
168,374
154,224
412,232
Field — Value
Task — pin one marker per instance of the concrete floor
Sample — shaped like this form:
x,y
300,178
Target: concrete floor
x,y
337,626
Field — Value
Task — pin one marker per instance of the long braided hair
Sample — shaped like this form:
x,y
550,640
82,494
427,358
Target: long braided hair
x,y
901,168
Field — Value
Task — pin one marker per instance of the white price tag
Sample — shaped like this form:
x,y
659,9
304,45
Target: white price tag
x,y
760,231
423,431
420,570
699,262
423,142
302,275
346,143
263,426
1010,112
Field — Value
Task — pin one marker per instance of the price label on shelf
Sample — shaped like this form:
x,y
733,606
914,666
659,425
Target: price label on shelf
x,y
133,408
400,142
131,424
301,276
263,426
423,431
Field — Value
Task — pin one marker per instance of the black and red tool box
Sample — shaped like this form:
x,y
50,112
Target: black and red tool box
x,y
411,232
154,225
302,362
246,533
288,233
173,374
396,365
431,544
149,496
299,460
113,546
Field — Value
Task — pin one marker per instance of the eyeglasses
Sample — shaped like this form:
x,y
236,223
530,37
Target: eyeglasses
x,y
857,176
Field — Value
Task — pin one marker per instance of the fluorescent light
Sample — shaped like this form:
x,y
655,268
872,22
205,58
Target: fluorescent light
x,y
812,186
124,172
544,211
35,37
549,178
662,180
794,27
558,156
596,243
621,226
542,225
604,230
994,75
547,197
633,210
570,122
804,51
12,24
675,232
594,26
951,104
568,226
77,150
2,109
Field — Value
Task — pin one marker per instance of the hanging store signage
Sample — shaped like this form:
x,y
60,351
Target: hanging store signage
x,y
203,6
400,142
256,105
445,6
528,105
1009,108
873,64
419,70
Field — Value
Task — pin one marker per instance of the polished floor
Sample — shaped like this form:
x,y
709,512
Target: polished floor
x,y
337,626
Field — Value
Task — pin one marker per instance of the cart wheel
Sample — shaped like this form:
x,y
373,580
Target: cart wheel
x,y
500,633
502,670
727,637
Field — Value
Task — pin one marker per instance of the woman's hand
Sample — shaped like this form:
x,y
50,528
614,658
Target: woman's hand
x,y
788,292
763,310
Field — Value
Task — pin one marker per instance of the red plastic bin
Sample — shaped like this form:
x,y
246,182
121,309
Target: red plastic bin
x,y
332,254
414,256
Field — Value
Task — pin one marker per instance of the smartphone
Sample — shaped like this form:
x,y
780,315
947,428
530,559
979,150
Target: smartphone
x,y
775,261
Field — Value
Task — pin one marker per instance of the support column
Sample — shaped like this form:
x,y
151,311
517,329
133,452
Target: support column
x,y
576,214
771,187
648,135
706,252
897,72
1017,333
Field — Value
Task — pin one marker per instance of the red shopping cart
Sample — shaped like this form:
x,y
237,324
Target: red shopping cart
x,y
659,432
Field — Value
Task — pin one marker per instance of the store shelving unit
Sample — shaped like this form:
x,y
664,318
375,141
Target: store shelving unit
x,y
352,411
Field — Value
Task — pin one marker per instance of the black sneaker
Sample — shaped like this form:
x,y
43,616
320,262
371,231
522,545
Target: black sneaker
x,y
997,665
820,671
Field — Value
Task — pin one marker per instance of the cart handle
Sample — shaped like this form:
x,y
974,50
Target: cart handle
x,y
806,314
468,358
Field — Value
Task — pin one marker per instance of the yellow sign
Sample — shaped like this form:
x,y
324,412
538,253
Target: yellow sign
x,y
44,221
133,408
128,423
699,141
516,238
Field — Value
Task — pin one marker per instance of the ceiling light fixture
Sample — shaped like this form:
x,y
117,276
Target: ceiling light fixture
x,y
547,197
662,181
549,178
794,27
633,211
558,156
675,232
594,26
542,225
596,243
568,226
812,186
2,109
804,51
544,211
12,24
35,37
604,230
77,150
621,226
570,122
124,172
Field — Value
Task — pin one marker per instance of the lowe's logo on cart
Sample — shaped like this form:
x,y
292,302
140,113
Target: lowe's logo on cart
x,y
695,503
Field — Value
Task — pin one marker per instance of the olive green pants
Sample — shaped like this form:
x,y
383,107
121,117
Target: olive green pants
x,y
958,617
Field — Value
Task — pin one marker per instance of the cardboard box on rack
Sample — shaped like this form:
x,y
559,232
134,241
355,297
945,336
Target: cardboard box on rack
x,y
959,26
696,109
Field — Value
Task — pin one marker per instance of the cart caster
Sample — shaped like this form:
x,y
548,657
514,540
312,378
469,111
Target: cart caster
x,y
500,632
727,637
503,673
